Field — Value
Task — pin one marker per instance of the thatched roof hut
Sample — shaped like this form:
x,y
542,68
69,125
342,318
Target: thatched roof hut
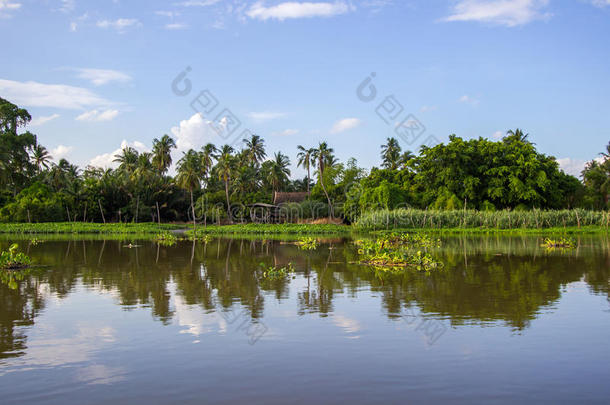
x,y
284,198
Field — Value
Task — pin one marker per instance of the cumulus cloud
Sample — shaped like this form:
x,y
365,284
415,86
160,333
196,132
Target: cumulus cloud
x,y
192,133
120,24
98,115
7,7
509,13
468,100
498,135
345,125
106,160
264,116
38,121
293,9
34,94
99,77
61,152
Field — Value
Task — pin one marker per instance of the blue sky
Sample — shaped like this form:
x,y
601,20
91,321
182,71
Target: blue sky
x,y
96,75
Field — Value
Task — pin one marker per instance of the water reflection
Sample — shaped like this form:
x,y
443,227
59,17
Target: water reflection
x,y
485,280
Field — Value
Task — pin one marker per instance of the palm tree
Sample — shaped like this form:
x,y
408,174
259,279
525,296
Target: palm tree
x,y
406,158
127,159
189,176
255,149
606,154
208,154
305,159
41,157
324,157
279,172
517,133
226,170
390,153
162,153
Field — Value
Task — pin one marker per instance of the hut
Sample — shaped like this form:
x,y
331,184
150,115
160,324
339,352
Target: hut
x,y
276,212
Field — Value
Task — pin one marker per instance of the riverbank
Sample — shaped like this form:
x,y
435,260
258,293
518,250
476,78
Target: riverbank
x,y
148,228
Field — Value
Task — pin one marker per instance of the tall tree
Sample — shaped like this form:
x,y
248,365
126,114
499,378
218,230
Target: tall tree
x,y
189,176
305,160
162,153
324,157
226,170
41,157
255,149
390,153
279,171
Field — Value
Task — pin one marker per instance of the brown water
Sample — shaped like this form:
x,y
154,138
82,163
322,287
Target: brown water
x,y
505,321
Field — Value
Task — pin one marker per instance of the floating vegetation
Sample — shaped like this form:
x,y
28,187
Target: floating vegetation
x,y
562,243
307,243
11,259
276,273
166,238
397,252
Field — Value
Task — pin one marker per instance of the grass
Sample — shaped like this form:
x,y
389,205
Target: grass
x,y
88,228
484,221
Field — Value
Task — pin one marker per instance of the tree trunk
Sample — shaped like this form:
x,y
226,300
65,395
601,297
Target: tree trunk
x,y
101,210
158,213
85,213
308,180
137,209
228,201
330,206
193,212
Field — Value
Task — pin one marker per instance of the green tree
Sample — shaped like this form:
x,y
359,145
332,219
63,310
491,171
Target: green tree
x,y
189,176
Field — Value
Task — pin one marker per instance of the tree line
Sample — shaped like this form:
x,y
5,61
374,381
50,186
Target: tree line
x,y
218,183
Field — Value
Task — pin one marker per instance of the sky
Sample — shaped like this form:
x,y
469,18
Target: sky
x,y
97,76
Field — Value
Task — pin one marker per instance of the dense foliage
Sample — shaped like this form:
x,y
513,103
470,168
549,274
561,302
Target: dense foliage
x,y
215,185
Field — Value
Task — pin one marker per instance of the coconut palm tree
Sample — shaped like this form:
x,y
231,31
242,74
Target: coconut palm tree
x,y
390,153
41,157
323,155
162,153
189,176
279,171
208,154
255,149
305,160
517,133
226,170
127,159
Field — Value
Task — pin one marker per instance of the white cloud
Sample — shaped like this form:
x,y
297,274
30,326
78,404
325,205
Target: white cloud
x,y
100,77
61,152
106,160
38,121
509,13
34,94
345,125
6,6
192,134
67,6
428,108
468,100
498,135
98,115
575,166
600,3
264,116
120,25
293,9
176,26
286,132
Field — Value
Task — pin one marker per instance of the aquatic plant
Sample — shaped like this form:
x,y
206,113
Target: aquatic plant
x,y
561,243
166,238
261,229
307,243
276,273
398,251
11,259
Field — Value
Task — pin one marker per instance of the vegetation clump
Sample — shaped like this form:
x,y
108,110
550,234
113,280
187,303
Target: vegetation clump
x,y
166,238
397,252
562,243
273,273
11,259
307,243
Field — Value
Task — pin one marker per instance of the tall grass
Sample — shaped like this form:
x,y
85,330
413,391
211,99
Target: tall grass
x,y
535,219
87,228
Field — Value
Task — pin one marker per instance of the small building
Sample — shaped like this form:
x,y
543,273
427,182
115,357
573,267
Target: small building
x,y
274,213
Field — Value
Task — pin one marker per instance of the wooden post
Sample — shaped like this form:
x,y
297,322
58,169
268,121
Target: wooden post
x,y
101,210
68,211
85,213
